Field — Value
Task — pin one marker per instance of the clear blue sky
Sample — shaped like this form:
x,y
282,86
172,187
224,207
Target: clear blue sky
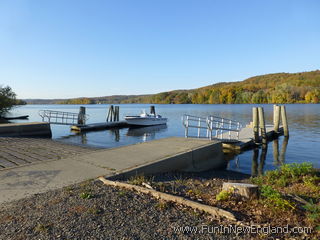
x,y
74,48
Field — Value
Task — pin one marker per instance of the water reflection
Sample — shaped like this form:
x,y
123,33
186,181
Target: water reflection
x,y
147,133
276,152
283,150
263,156
116,133
260,159
112,137
77,138
254,165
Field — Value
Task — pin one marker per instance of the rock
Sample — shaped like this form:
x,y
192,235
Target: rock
x,y
242,189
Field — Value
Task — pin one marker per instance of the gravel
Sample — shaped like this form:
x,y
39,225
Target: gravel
x,y
91,210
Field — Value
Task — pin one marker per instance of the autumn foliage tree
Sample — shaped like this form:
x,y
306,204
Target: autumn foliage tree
x,y
280,88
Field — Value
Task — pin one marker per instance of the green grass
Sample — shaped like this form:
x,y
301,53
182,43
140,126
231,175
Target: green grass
x,y
312,182
313,212
295,178
287,174
86,195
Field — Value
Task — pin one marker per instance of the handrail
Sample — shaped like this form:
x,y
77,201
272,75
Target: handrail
x,y
63,118
215,127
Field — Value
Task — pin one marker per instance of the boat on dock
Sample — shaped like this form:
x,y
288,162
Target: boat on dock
x,y
145,119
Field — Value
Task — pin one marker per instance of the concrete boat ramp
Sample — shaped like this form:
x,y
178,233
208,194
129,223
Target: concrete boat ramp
x,y
148,157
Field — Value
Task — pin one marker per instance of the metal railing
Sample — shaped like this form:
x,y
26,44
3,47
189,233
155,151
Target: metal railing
x,y
63,118
215,127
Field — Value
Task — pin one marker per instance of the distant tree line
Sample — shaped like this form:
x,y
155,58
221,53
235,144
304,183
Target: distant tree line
x,y
279,88
271,88
77,101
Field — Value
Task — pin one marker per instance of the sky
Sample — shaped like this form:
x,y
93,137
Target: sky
x,y
76,48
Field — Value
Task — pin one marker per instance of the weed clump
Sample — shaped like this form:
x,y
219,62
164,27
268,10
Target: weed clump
x,y
273,198
224,195
286,175
86,195
139,180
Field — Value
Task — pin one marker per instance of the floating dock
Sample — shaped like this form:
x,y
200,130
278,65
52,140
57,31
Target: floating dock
x,y
99,126
246,138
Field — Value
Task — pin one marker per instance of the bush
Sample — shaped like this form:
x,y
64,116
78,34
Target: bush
x,y
224,195
287,174
313,213
273,198
296,170
7,100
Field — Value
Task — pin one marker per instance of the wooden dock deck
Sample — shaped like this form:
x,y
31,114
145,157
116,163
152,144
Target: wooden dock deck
x,y
246,138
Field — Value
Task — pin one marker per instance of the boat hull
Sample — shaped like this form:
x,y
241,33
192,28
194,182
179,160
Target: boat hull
x,y
140,121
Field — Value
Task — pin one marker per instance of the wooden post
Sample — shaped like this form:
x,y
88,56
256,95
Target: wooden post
x,y
262,125
81,116
255,121
152,110
110,114
276,118
116,113
284,121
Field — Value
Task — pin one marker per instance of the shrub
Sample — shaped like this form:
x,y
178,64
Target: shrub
x,y
224,195
285,175
296,170
313,212
7,99
273,198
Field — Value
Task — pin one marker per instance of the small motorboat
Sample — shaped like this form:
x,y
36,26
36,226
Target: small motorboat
x,y
146,119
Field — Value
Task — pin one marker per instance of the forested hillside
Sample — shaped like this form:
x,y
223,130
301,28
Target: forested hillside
x,y
301,87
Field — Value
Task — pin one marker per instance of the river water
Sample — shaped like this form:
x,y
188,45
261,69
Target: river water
x,y
302,146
